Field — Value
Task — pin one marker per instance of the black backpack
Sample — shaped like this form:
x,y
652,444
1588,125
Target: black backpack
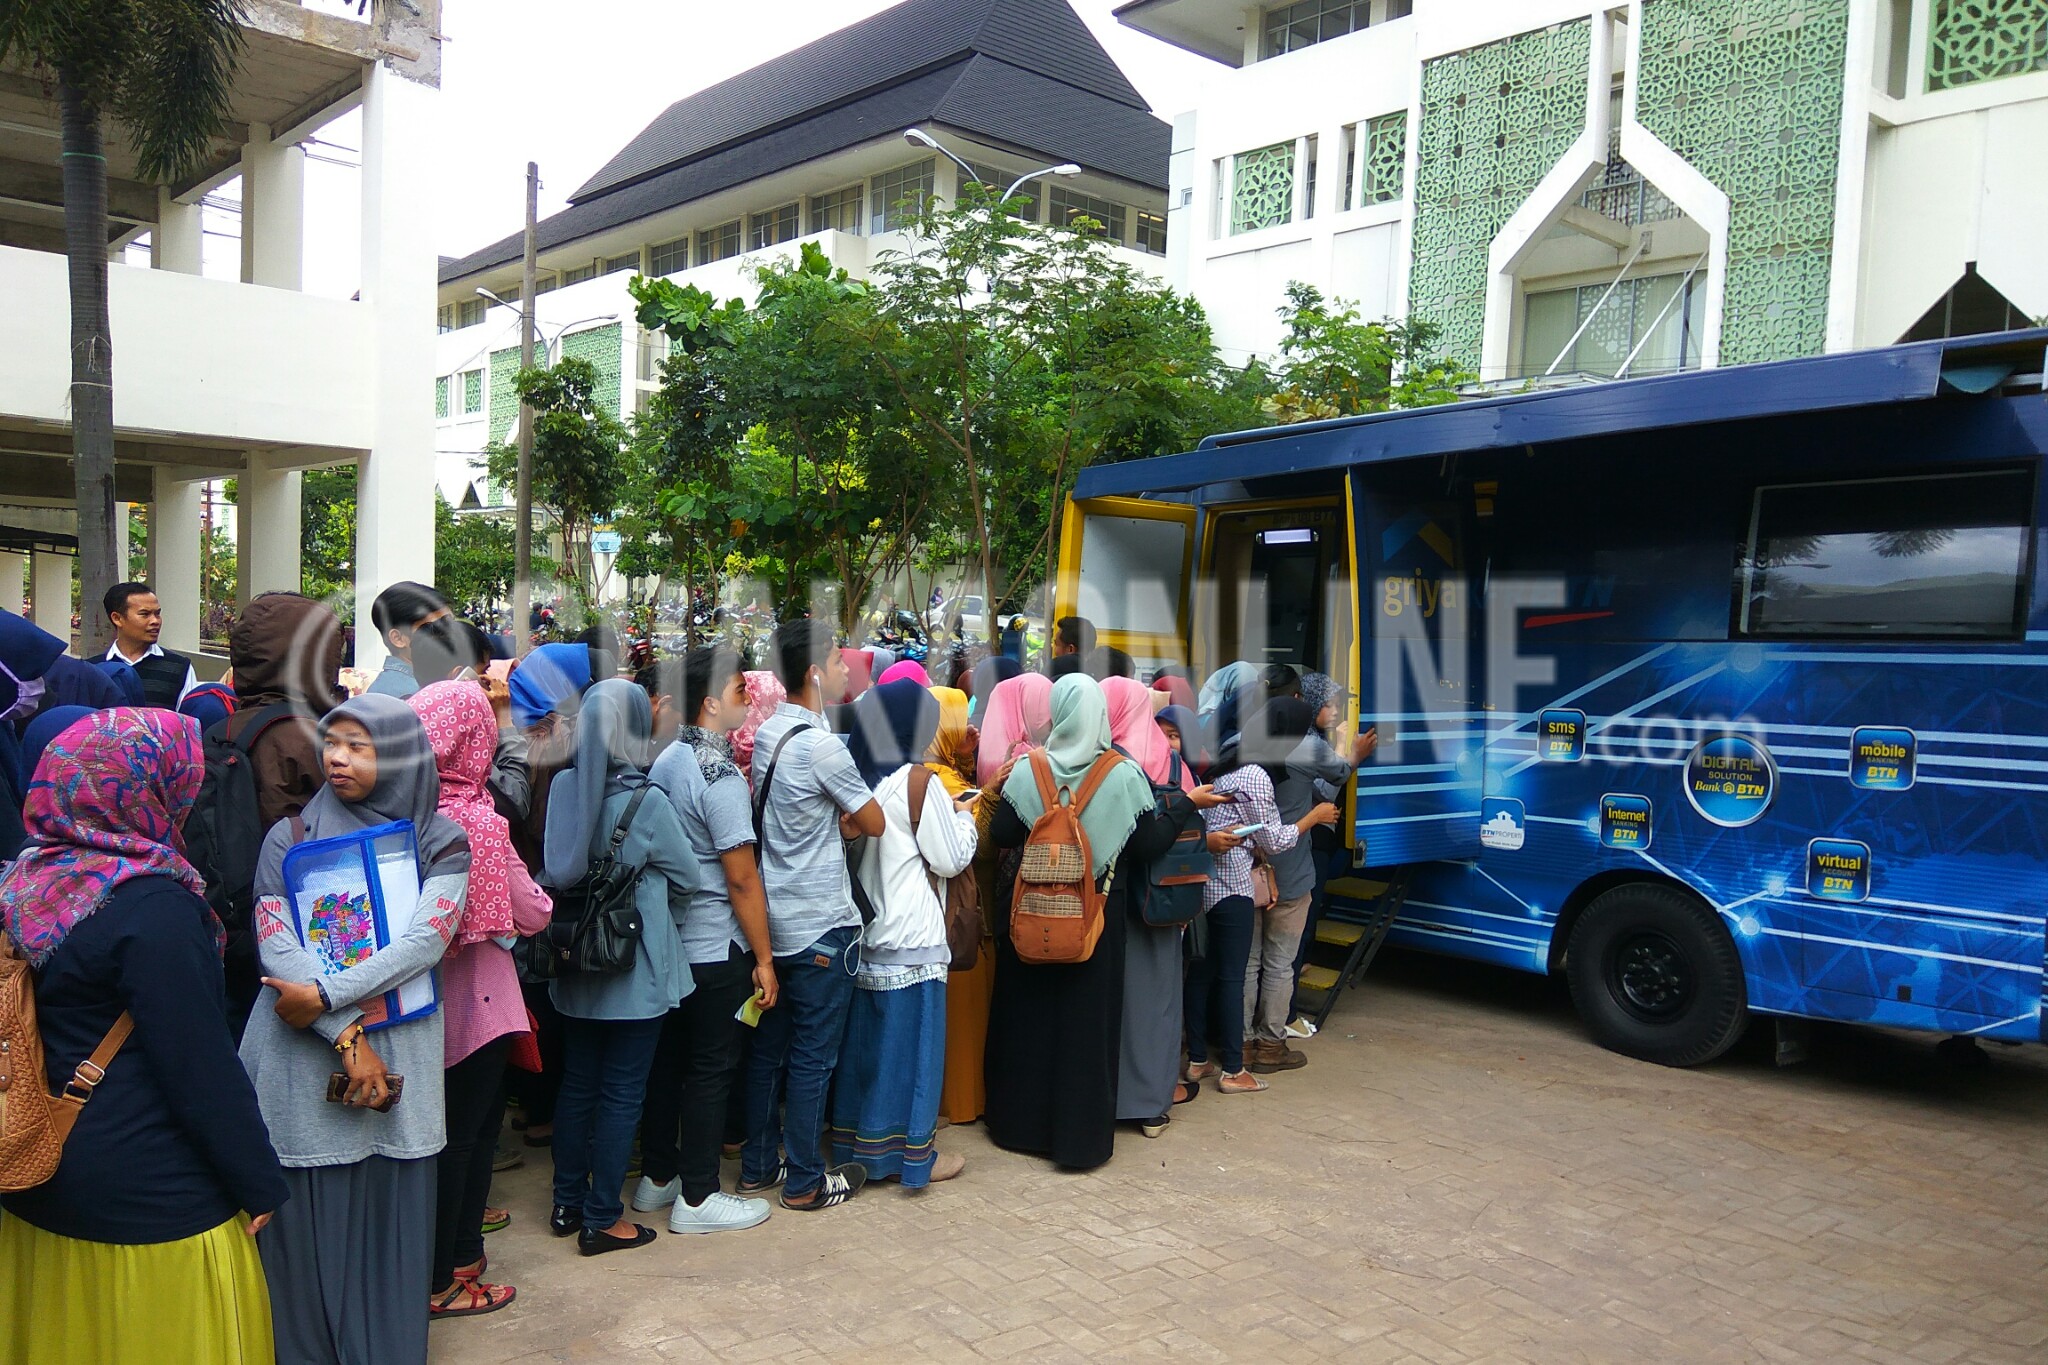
x,y
1171,893
224,833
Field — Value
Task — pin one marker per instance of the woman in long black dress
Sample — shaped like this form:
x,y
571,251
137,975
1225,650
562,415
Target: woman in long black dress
x,y
1055,1029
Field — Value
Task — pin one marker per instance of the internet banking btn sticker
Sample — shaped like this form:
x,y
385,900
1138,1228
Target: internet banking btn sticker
x,y
1837,870
1881,758
1500,823
1624,820
1561,736
1730,780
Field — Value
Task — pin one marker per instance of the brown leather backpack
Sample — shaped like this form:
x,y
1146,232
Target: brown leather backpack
x,y
33,1122
961,894
1055,904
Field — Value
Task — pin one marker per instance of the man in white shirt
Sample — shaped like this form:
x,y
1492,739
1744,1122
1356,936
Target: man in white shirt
x,y
138,620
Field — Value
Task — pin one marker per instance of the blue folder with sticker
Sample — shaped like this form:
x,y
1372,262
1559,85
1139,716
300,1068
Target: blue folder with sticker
x,y
353,896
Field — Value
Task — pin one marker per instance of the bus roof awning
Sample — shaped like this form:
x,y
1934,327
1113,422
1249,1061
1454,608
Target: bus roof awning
x,y
1851,379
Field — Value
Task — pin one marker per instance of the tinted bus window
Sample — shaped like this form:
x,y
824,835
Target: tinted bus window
x,y
1934,555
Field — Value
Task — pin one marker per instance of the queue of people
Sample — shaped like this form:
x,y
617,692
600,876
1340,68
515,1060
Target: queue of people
x,y
796,915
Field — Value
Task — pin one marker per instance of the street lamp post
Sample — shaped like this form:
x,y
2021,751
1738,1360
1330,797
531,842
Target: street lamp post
x,y
918,137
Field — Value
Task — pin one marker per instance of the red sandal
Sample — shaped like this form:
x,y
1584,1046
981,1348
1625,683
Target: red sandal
x,y
464,1273
470,1298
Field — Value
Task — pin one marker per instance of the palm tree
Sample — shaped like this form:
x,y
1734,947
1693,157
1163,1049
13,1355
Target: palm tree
x,y
163,69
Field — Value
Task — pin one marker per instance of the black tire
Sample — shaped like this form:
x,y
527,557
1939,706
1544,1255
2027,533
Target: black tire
x,y
1655,976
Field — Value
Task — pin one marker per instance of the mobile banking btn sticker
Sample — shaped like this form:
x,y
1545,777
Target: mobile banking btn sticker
x,y
1837,870
1730,780
1561,736
1502,824
1625,820
1881,757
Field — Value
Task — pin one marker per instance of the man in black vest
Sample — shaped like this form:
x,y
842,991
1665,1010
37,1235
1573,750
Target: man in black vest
x,y
138,619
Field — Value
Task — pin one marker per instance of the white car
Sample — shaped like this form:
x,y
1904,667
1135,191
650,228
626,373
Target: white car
x,y
967,614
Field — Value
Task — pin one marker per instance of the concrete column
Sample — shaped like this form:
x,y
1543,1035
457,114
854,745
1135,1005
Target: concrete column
x,y
50,589
273,210
176,521
13,579
175,243
269,528
121,549
395,477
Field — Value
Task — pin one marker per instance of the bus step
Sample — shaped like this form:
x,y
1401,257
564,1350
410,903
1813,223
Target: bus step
x,y
1356,888
1314,978
1339,933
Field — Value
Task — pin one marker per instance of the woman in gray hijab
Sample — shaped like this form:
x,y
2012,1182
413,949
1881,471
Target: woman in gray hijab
x,y
349,1255
611,1023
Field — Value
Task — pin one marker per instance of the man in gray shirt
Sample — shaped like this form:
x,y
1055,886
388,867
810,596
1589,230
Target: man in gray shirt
x,y
808,797
725,937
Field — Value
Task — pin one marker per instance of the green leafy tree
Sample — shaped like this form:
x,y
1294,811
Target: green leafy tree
x,y
163,70
1334,364
327,537
578,468
473,560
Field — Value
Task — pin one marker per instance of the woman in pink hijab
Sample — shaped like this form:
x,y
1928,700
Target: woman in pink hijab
x,y
860,672
764,693
1132,727
906,668
1179,691
1019,715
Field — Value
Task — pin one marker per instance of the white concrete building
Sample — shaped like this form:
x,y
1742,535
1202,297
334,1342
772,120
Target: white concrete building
x,y
807,147
1583,187
253,378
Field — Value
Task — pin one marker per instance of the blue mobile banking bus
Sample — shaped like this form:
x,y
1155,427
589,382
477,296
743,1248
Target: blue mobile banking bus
x,y
1723,693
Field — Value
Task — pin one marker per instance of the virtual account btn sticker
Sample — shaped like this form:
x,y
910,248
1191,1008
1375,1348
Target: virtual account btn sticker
x,y
1838,869
1881,758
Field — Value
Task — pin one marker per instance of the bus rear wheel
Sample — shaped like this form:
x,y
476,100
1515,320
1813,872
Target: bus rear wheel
x,y
1655,976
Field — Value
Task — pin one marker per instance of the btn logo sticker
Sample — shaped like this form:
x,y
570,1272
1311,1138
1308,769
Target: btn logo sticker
x,y
1837,870
1730,780
1501,823
1625,820
1561,736
1881,758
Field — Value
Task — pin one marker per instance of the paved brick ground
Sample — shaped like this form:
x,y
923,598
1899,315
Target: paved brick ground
x,y
1458,1175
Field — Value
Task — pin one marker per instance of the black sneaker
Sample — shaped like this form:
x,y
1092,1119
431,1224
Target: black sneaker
x,y
763,1186
841,1183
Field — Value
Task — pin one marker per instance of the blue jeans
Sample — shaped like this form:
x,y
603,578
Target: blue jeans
x,y
796,1049
605,1063
1216,984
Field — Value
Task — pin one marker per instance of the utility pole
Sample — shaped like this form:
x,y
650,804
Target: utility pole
x,y
522,497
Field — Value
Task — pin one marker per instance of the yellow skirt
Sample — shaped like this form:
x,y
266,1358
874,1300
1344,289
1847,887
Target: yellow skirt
x,y
65,1302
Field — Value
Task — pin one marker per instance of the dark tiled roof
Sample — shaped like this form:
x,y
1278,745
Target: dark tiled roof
x,y
1044,36
979,95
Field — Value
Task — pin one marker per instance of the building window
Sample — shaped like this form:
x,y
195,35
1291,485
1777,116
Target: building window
x,y
444,318
1655,319
1151,233
1262,188
1621,192
838,211
995,180
544,285
470,312
900,194
772,227
1930,555
580,274
1063,206
670,258
1984,40
1290,28
1386,159
441,397
614,264
472,392
1308,197
719,243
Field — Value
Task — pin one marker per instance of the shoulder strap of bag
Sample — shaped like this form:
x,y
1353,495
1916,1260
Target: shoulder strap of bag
x,y
89,1074
920,792
1041,768
767,781
1098,773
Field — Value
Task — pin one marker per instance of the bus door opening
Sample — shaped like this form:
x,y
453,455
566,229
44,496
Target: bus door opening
x,y
1276,588
1125,565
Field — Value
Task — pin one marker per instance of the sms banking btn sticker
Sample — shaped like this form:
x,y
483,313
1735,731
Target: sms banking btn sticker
x,y
1837,870
1561,736
1624,820
1730,780
1881,758
1500,823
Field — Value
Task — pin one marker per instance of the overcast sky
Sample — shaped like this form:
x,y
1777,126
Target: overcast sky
x,y
567,86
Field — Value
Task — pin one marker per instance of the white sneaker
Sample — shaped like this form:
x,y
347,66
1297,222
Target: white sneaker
x,y
648,1196
1301,1028
720,1212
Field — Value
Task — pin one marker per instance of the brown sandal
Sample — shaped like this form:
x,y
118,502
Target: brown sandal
x,y
1197,1072
470,1298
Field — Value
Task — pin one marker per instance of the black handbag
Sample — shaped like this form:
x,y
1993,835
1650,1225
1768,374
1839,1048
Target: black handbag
x,y
596,926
